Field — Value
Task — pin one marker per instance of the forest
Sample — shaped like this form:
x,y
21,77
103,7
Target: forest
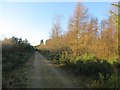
x,y
88,48
15,52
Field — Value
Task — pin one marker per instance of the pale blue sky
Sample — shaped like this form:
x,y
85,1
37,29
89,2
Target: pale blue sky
x,y
33,20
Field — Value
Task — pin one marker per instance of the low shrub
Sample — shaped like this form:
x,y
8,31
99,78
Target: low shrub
x,y
117,66
111,81
15,52
93,68
86,57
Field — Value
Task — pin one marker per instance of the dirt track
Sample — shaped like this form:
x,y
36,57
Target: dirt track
x,y
47,75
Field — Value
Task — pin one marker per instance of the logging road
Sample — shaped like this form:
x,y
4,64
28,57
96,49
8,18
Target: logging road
x,y
47,75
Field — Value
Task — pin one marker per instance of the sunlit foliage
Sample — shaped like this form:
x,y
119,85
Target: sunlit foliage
x,y
88,47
